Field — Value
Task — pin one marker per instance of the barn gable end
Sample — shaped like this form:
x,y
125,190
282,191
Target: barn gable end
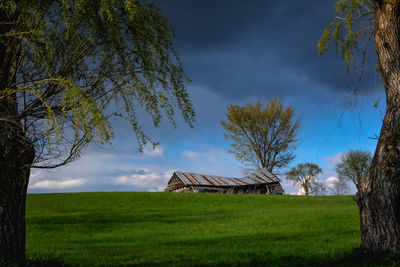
x,y
175,184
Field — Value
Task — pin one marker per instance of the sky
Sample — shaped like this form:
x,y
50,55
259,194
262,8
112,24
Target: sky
x,y
238,52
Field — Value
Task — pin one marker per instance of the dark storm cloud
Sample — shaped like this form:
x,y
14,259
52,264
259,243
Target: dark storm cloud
x,y
267,48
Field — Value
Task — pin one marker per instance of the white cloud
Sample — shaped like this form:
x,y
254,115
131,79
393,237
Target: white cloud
x,y
51,184
36,175
148,151
331,180
286,183
192,155
210,160
149,179
159,189
301,192
207,153
332,160
113,171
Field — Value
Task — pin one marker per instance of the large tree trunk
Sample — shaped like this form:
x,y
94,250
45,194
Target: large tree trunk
x,y
16,153
379,192
13,186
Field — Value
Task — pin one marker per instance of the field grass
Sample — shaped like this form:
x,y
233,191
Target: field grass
x,y
122,229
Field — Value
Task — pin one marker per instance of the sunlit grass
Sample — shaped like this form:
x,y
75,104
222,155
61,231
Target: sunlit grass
x,y
191,229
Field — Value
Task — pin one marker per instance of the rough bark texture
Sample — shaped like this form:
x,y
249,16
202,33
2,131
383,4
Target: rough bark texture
x,y
379,192
13,185
16,155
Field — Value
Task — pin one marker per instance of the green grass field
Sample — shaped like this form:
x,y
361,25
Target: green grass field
x,y
122,229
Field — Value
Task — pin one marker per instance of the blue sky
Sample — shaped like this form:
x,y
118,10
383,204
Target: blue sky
x,y
237,53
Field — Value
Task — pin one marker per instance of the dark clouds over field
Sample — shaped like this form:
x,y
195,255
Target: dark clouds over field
x,y
235,52
253,48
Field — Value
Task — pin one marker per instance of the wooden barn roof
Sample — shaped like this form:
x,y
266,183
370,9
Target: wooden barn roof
x,y
260,177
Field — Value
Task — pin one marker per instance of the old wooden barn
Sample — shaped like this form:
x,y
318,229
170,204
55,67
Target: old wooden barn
x,y
260,182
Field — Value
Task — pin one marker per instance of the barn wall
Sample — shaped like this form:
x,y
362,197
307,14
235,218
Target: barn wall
x,y
175,184
275,188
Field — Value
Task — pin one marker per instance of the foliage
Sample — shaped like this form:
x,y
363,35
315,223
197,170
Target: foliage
x,y
305,175
339,186
350,31
354,165
149,229
262,137
72,65
317,188
378,190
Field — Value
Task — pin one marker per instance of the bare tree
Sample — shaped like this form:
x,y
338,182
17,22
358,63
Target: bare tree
x,y
338,186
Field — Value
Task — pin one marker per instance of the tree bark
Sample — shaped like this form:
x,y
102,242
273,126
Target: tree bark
x,y
16,155
306,190
16,152
13,186
378,194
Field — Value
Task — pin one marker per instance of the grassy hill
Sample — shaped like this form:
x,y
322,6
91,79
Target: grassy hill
x,y
117,229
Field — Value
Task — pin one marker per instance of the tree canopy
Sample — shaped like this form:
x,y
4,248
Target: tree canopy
x,y
354,165
263,137
338,186
67,68
351,31
305,175
355,23
72,65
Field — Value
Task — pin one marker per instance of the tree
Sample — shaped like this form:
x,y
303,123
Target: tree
x,y
353,166
338,186
305,175
67,68
356,23
262,137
